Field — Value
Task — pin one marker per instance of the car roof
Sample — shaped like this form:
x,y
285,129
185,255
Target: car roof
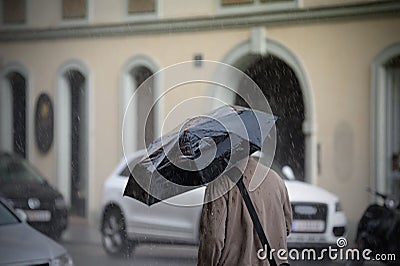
x,y
128,158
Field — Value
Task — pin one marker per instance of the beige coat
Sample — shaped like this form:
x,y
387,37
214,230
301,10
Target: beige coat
x,y
227,236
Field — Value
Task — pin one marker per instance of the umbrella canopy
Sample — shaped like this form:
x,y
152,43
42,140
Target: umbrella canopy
x,y
198,152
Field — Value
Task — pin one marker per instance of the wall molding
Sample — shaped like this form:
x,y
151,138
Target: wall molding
x,y
267,18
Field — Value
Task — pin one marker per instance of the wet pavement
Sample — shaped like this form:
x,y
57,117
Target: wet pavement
x,y
83,242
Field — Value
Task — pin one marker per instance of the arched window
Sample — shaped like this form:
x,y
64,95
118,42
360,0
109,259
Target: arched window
x,y
76,82
13,126
72,137
145,98
139,110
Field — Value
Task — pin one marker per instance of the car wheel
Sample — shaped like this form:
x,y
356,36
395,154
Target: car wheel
x,y
114,237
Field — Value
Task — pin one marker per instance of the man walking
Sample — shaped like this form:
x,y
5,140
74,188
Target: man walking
x,y
227,235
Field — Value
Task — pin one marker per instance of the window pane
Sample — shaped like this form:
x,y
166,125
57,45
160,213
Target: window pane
x,y
14,11
141,6
72,9
18,85
235,2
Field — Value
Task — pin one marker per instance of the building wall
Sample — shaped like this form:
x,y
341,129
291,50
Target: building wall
x,y
105,59
336,56
47,13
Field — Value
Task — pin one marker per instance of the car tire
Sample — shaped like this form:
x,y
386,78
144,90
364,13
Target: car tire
x,y
113,234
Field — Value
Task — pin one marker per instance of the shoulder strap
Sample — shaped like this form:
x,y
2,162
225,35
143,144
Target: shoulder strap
x,y
235,172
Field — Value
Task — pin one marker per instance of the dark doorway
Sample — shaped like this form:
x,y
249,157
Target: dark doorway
x,y
145,122
76,82
18,88
281,87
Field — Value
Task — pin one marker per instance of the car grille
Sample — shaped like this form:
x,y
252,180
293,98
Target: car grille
x,y
312,217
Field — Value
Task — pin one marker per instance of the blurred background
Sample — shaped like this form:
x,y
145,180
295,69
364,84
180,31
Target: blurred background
x,y
329,69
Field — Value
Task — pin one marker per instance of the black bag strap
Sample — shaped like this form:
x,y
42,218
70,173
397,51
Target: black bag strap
x,y
233,174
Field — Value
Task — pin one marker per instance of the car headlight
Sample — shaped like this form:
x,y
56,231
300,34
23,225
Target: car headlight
x,y
60,203
338,207
63,260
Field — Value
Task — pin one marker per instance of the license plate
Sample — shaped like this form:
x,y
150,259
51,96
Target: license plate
x,y
308,226
38,216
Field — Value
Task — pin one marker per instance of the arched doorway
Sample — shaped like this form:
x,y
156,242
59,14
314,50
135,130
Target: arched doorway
x,y
385,121
72,133
282,89
13,124
244,58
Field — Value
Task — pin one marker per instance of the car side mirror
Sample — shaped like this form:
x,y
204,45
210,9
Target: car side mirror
x,y
21,215
288,172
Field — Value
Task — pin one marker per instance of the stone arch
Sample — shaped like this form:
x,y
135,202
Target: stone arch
x,y
242,56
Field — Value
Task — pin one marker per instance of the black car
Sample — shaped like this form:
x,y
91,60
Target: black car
x,y
26,189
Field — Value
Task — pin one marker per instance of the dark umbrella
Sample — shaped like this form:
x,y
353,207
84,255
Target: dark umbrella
x,y
198,152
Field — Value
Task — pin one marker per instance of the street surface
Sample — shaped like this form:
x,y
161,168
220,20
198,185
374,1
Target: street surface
x,y
83,243
148,255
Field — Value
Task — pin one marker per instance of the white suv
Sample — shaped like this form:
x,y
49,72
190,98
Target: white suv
x,y
318,219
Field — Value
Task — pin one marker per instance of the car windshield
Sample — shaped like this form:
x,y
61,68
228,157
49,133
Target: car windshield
x,y
18,171
6,216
